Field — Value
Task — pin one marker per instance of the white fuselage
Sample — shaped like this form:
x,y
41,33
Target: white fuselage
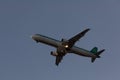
x,y
57,43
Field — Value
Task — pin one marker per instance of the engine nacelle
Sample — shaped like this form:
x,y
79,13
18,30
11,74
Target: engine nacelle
x,y
54,53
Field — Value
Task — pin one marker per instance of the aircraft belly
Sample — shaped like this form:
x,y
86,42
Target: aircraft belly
x,y
82,52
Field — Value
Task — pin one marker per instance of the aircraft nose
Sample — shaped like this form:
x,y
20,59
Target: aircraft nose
x,y
33,37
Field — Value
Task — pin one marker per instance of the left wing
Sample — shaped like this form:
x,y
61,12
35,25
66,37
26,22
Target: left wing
x,y
72,40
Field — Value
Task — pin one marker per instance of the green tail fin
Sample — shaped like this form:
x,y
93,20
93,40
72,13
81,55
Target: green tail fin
x,y
94,50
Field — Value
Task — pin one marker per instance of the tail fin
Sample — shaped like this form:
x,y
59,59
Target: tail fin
x,y
94,51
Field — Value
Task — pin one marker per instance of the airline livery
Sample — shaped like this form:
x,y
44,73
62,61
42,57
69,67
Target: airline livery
x,y
67,46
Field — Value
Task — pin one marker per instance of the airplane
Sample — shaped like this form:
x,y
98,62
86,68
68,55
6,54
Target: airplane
x,y
64,47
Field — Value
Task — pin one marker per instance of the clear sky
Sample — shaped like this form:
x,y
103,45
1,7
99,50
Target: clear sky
x,y
23,59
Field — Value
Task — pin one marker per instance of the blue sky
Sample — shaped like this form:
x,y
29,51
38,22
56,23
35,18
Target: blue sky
x,y
22,59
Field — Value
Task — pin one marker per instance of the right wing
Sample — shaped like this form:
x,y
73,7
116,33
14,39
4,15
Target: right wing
x,y
77,37
58,60
59,57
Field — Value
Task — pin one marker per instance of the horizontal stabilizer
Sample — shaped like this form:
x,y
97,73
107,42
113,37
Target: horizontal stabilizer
x,y
98,55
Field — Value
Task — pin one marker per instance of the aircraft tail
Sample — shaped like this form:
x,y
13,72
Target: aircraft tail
x,y
96,52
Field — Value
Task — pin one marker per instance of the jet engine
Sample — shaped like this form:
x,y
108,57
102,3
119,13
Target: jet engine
x,y
53,53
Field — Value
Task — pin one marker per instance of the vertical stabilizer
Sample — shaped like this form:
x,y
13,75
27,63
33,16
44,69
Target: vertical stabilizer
x,y
94,50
